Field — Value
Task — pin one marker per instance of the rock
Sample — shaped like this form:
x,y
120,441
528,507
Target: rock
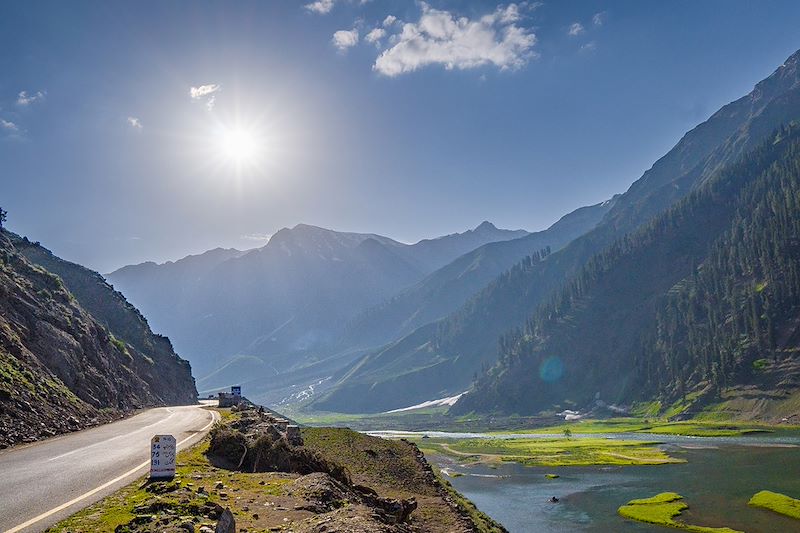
x,y
219,485
188,526
212,510
226,523
206,529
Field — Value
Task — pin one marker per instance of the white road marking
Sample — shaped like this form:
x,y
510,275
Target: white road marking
x,y
113,438
101,487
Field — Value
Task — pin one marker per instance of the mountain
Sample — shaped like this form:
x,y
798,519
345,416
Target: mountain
x,y
698,306
472,332
74,352
275,308
446,289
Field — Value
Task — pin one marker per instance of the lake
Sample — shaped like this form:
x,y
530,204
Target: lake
x,y
720,476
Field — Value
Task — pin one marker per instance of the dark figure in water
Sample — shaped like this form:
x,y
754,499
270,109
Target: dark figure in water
x,y
553,500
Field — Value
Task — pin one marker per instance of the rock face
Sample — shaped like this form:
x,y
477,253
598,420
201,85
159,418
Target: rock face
x,y
73,352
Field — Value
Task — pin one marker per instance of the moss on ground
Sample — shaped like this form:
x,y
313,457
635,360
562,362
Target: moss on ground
x,y
179,497
662,509
779,503
270,501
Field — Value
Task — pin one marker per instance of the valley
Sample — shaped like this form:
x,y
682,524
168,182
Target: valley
x,y
400,267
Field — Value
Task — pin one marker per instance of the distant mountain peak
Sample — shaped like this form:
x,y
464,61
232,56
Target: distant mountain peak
x,y
486,226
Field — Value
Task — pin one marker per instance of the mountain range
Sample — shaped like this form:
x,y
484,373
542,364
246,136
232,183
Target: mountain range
x,y
473,331
275,308
360,323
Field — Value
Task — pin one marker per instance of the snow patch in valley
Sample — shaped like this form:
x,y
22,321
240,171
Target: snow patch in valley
x,y
449,401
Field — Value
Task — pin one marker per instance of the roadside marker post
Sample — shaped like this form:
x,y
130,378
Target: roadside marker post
x,y
162,456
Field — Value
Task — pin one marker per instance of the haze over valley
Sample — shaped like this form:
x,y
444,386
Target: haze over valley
x,y
398,267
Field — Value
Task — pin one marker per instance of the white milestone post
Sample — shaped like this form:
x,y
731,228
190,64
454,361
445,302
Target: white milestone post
x,y
162,456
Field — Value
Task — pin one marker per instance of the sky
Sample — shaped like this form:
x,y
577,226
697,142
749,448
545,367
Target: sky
x,y
135,131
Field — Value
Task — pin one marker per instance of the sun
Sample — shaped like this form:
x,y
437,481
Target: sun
x,y
239,145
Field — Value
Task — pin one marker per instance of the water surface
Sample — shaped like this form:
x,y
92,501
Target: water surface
x,y
720,476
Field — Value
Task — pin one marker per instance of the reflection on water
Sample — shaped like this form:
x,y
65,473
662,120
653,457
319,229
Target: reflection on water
x,y
716,482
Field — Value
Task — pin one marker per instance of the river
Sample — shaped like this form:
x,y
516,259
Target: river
x,y
719,477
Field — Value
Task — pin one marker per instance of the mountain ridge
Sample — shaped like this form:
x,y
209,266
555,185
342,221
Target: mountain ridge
x,y
73,352
288,298
680,300
473,330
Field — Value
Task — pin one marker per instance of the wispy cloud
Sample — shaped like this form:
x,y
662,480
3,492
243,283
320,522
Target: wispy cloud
x,y
576,28
24,98
8,125
344,39
206,93
456,42
591,46
135,123
203,90
321,7
599,18
375,35
389,20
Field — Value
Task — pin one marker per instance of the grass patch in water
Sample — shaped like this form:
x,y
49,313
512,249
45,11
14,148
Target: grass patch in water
x,y
638,425
779,503
661,510
554,452
664,497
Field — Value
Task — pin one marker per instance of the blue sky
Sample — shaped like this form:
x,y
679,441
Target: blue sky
x,y
150,130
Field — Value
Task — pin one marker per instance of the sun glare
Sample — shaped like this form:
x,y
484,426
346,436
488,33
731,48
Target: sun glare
x,y
239,145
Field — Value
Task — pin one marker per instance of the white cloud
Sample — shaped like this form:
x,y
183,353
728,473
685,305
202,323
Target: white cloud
x,y
23,98
375,35
389,20
576,28
344,39
135,123
591,46
8,125
599,18
321,7
441,38
204,90
207,93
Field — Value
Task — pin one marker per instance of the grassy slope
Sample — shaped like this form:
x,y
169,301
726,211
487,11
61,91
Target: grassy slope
x,y
260,501
391,467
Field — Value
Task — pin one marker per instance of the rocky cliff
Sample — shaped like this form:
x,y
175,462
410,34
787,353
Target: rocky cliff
x,y
73,352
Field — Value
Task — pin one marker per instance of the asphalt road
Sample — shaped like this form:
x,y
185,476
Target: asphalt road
x,y
44,482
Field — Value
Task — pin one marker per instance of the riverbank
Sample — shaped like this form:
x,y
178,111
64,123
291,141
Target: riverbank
x,y
337,480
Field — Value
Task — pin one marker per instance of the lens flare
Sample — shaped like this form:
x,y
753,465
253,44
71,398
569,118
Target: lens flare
x,y
551,369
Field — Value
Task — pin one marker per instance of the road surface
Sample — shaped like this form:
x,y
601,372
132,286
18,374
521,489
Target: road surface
x,y
44,482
